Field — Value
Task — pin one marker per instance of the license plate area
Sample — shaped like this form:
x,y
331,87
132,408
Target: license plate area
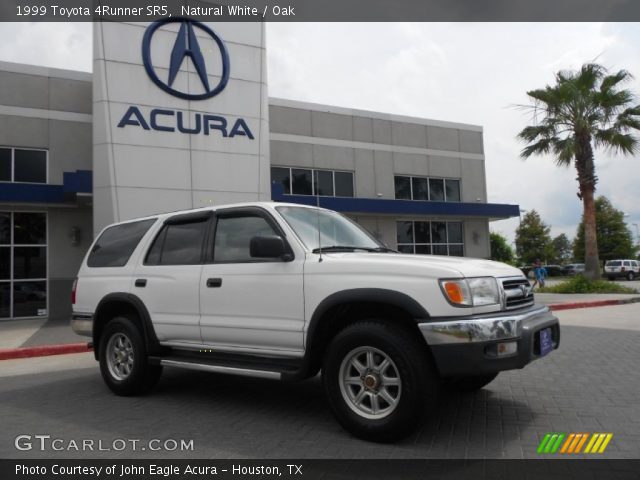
x,y
544,342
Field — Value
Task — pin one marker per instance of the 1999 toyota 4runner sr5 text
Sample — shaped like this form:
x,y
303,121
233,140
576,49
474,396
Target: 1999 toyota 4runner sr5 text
x,y
285,291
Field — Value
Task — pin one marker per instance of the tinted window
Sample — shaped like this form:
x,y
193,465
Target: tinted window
x,y
29,299
420,188
233,236
29,262
456,250
301,182
29,228
453,190
405,232
422,232
436,189
405,248
30,166
403,188
423,249
5,263
344,184
281,177
439,234
5,228
5,300
117,243
5,165
440,250
178,244
324,183
455,232
613,263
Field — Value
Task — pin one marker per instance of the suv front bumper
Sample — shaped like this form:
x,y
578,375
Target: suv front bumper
x,y
467,345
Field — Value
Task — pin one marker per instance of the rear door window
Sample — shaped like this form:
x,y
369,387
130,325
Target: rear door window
x,y
116,244
179,244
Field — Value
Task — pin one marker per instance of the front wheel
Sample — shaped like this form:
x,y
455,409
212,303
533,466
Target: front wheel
x,y
123,359
630,276
379,380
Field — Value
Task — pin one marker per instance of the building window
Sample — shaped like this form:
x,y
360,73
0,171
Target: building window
x,y
307,181
431,238
23,264
23,165
423,188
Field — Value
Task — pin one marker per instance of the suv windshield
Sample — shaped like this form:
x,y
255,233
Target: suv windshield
x,y
337,231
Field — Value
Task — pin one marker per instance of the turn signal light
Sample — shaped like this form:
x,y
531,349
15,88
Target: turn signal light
x,y
457,291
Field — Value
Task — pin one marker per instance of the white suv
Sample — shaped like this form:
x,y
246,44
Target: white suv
x,y
285,291
628,269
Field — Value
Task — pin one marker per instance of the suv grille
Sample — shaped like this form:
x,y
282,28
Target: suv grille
x,y
518,293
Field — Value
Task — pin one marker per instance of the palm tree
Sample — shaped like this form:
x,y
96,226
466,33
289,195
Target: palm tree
x,y
585,109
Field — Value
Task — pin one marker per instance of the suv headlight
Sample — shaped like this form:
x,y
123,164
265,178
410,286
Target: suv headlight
x,y
471,292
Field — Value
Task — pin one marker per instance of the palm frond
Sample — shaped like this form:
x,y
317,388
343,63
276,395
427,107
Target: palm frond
x,y
612,139
540,147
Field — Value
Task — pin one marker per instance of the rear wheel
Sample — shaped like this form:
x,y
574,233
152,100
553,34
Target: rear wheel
x,y
379,380
630,276
611,278
123,359
469,383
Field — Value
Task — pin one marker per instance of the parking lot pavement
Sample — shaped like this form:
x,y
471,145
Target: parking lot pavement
x,y
591,384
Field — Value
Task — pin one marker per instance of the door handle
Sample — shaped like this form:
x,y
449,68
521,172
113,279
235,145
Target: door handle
x,y
141,282
214,282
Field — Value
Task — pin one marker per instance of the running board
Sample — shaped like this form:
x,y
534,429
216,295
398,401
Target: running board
x,y
222,369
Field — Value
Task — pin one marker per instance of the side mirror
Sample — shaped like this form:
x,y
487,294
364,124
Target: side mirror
x,y
271,246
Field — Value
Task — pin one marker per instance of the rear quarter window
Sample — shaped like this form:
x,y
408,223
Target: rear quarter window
x,y
613,263
116,244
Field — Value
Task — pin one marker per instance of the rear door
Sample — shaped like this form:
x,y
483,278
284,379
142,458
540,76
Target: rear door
x,y
249,304
167,279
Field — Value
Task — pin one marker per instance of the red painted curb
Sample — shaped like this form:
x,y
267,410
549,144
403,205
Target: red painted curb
x,y
43,351
593,303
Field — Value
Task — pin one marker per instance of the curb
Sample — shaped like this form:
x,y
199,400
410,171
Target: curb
x,y
43,351
593,303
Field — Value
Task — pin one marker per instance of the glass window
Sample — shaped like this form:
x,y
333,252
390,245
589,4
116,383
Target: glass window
x,y
404,232
405,248
29,262
233,237
422,232
301,182
454,230
30,166
439,232
324,183
420,188
344,184
453,190
5,299
456,250
5,228
29,299
281,176
440,250
436,190
29,228
116,244
5,263
403,188
5,164
182,243
423,249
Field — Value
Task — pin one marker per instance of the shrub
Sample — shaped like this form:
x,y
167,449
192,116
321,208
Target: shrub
x,y
579,284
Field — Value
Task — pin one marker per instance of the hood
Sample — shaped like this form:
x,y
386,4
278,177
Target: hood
x,y
457,266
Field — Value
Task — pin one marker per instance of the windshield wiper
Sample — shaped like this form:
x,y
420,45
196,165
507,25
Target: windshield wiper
x,y
350,248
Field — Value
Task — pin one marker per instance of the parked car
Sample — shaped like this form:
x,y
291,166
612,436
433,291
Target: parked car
x,y
628,269
573,269
257,290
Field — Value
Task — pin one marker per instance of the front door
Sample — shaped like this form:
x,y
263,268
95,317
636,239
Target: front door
x,y
247,304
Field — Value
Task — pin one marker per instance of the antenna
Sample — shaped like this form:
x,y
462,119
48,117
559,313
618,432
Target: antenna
x,y
318,221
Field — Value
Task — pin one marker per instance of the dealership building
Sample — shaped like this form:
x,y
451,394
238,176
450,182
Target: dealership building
x,y
176,115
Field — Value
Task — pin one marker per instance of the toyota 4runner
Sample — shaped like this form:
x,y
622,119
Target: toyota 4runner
x,y
285,291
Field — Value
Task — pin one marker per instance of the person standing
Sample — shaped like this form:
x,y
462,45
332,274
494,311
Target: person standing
x,y
540,274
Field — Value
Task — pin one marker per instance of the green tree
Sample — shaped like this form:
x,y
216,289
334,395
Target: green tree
x,y
583,110
501,251
614,237
563,249
533,241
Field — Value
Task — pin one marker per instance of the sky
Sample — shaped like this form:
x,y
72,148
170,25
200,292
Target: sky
x,y
475,73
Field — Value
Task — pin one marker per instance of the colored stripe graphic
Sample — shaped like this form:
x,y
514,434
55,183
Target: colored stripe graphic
x,y
572,443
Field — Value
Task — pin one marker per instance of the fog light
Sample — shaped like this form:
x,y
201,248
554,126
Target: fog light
x,y
507,348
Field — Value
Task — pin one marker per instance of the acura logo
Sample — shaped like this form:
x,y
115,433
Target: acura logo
x,y
186,45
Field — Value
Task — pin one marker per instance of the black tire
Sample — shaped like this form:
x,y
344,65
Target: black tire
x,y
419,382
470,383
142,377
611,279
630,276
